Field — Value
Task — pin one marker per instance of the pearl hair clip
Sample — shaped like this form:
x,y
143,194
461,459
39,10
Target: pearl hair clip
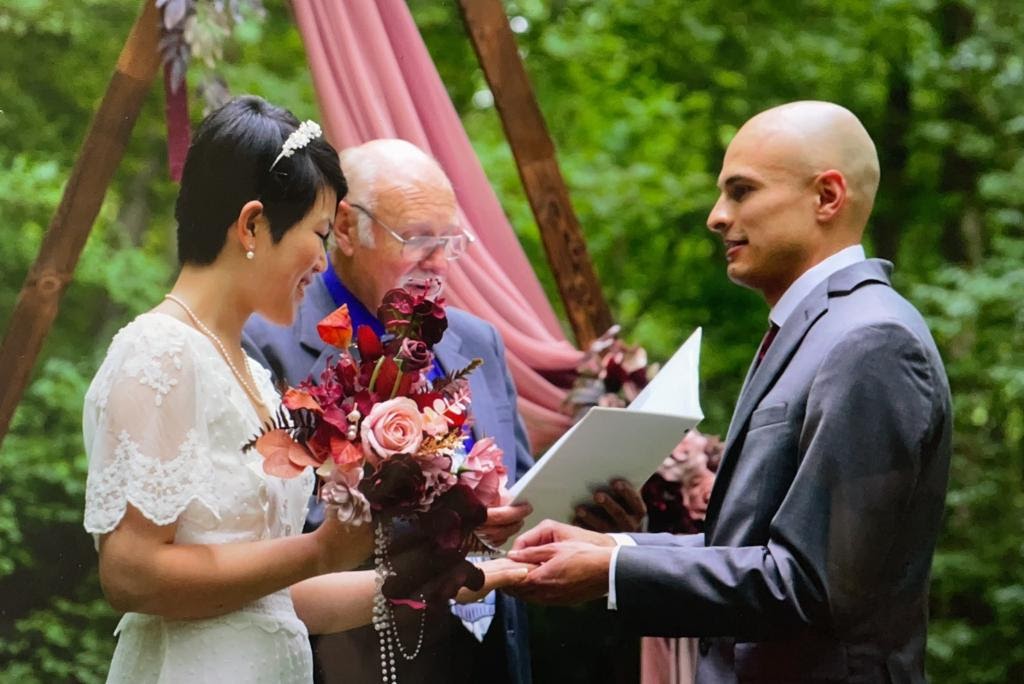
x,y
300,137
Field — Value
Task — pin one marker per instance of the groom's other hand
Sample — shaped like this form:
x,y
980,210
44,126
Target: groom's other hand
x,y
617,508
570,572
502,522
549,532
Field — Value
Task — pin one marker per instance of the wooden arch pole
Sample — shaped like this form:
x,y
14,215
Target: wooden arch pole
x,y
69,229
488,29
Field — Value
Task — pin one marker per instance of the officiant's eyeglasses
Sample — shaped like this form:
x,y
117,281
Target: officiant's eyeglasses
x,y
419,247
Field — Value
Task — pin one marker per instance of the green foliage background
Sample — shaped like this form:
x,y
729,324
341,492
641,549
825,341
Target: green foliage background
x,y
641,97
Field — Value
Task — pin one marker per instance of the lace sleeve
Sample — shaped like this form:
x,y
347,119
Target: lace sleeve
x,y
144,434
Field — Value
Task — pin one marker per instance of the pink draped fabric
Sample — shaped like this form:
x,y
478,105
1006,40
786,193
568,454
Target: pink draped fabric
x,y
374,79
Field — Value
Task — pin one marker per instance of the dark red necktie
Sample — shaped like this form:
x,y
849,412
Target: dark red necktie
x,y
769,337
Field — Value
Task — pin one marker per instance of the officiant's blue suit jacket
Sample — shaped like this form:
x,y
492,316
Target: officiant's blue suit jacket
x,y
822,523
294,353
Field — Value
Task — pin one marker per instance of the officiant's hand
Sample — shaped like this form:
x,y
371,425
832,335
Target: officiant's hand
x,y
502,522
499,573
617,508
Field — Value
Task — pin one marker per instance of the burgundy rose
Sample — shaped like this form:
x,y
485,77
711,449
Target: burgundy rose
x,y
396,487
395,308
432,321
463,501
414,354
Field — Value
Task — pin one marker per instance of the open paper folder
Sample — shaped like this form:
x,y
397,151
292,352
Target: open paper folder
x,y
608,443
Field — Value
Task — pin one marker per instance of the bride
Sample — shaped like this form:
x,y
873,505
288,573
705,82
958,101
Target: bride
x,y
199,547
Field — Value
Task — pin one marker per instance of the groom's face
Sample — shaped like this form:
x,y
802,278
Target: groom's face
x,y
764,213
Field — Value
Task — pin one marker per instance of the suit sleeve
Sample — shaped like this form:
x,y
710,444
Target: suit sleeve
x,y
666,539
873,410
524,459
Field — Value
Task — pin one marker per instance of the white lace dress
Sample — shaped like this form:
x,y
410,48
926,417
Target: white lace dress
x,y
164,421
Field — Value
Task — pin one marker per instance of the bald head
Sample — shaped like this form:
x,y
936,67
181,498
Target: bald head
x,y
810,137
797,186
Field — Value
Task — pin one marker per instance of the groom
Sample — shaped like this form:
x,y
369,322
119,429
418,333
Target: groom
x,y
822,522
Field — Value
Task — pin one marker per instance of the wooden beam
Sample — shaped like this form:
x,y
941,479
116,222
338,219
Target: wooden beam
x,y
488,28
69,229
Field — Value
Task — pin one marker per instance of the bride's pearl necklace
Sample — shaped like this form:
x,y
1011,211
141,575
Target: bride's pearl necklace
x,y
220,345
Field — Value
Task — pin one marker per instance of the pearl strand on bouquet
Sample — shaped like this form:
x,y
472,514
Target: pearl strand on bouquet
x,y
383,615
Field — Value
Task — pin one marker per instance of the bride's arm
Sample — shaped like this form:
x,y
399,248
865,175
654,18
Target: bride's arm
x,y
142,570
343,600
335,602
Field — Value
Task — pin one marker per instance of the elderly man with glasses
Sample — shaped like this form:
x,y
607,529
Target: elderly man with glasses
x,y
398,227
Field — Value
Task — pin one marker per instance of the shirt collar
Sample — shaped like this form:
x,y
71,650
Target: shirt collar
x,y
359,314
813,277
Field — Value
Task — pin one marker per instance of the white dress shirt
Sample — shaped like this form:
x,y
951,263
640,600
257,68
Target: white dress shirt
x,y
779,314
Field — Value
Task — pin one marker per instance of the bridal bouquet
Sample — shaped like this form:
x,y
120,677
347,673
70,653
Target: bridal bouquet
x,y
387,446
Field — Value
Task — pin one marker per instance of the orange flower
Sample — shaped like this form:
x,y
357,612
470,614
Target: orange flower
x,y
336,328
300,399
282,455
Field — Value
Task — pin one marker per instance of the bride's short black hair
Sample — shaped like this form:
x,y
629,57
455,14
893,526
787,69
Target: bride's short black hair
x,y
228,164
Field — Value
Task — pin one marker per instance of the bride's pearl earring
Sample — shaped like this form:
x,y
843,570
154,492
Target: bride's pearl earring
x,y
250,255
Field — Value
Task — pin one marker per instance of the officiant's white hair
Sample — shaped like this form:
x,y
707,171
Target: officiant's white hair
x,y
383,164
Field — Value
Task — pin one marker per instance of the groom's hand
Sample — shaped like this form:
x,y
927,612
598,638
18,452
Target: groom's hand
x,y
549,531
570,572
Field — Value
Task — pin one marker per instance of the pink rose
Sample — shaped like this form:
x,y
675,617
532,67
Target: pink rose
x,y
484,472
392,427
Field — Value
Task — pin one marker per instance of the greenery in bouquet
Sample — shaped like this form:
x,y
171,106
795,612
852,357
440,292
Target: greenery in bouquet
x,y
387,444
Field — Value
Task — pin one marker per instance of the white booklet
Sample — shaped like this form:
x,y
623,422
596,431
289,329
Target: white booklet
x,y
608,443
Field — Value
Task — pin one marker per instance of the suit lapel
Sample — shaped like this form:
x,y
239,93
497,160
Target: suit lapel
x,y
760,380
450,353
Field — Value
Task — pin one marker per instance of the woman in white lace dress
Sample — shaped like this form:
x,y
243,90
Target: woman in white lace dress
x,y
198,546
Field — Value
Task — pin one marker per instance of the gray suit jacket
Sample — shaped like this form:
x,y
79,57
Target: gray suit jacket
x,y
296,352
822,523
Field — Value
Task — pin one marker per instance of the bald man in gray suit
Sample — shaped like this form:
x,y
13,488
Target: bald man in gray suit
x,y
819,537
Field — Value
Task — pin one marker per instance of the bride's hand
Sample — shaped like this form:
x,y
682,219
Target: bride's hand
x,y
498,573
343,546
